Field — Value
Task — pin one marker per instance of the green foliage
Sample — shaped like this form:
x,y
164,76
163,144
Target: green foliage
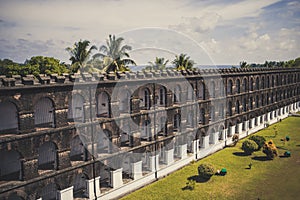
x,y
277,64
206,170
183,62
270,150
249,146
158,64
115,56
80,55
259,140
235,139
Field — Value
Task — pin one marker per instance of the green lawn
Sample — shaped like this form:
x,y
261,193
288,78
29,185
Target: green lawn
x,y
276,179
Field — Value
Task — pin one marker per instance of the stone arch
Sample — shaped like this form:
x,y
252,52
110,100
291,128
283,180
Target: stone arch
x,y
17,195
237,107
162,97
76,108
245,85
229,87
44,113
177,122
144,97
177,94
103,104
146,129
78,151
80,185
125,101
212,89
10,165
201,91
202,115
48,156
251,84
104,144
9,122
238,85
48,192
257,83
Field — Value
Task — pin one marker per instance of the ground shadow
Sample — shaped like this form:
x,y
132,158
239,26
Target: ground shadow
x,y
240,154
283,156
198,179
261,158
298,145
283,148
247,168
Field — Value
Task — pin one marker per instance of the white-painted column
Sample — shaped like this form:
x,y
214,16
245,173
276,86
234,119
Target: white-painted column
x,y
169,156
232,130
205,140
182,151
90,188
137,171
252,122
247,125
66,194
239,127
153,163
223,133
116,178
196,146
216,137
258,119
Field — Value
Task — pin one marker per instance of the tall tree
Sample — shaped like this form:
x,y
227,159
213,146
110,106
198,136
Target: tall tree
x,y
80,54
158,64
115,56
183,62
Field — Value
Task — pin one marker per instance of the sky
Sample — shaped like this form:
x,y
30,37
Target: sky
x,y
209,31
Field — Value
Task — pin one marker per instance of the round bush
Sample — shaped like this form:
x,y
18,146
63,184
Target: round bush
x,y
259,140
249,146
270,149
206,171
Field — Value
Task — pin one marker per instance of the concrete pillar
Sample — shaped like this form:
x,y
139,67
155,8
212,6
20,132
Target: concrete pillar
x,y
239,127
90,188
66,194
182,151
169,156
268,116
232,130
223,134
252,122
247,125
136,169
153,163
258,119
216,137
196,146
116,178
205,143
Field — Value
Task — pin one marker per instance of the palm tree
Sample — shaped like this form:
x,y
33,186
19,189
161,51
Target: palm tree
x,y
183,62
80,55
158,64
114,55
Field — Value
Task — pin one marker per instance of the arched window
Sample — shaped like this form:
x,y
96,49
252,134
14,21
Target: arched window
x,y
267,99
162,96
244,85
251,84
8,117
146,130
238,86
257,101
237,107
103,104
212,89
244,105
162,130
230,108
251,103
190,93
190,119
268,82
201,91
125,133
76,108
263,82
202,116
104,144
44,113
229,87
144,95
257,83
273,81
212,113
124,105
47,156
177,95
49,192
80,186
177,122
10,166
221,111
78,151
262,99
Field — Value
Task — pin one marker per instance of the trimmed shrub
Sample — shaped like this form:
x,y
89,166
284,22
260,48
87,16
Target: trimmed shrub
x,y
270,150
249,146
206,171
235,139
259,140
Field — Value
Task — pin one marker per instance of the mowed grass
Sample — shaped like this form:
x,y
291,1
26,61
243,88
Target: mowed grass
x,y
267,179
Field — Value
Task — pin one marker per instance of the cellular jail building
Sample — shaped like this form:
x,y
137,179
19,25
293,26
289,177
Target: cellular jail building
x,y
99,136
